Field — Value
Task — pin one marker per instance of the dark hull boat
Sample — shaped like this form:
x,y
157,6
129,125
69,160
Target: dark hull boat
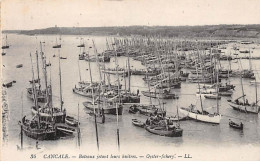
x,y
147,110
160,95
130,98
19,66
162,131
57,46
8,85
236,126
5,47
46,132
138,123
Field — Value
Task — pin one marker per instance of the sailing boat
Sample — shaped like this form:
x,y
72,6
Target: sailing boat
x,y
48,112
6,46
164,127
245,106
36,128
203,115
57,45
41,94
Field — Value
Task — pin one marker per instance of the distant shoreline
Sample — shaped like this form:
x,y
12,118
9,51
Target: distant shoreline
x,y
225,32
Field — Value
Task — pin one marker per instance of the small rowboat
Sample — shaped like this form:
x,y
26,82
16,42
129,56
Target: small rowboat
x,y
162,131
138,123
19,66
236,126
211,96
71,121
7,85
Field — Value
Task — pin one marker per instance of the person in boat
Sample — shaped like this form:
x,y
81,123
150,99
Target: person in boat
x,y
103,115
247,102
236,101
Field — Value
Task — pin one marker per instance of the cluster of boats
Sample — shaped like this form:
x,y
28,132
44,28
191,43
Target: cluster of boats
x,y
166,67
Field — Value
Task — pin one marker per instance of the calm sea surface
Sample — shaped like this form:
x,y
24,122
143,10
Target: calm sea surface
x,y
195,133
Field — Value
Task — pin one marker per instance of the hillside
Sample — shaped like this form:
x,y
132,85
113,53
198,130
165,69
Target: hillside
x,y
223,31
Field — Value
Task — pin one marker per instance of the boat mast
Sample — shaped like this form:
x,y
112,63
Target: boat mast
x,y
21,124
45,73
35,95
241,81
79,72
61,101
38,71
129,75
93,102
89,66
217,87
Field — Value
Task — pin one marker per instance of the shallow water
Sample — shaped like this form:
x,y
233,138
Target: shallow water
x,y
194,132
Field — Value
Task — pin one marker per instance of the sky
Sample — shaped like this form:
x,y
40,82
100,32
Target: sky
x,y
37,14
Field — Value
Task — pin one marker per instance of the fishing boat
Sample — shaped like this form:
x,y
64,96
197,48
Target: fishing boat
x,y
38,130
161,95
65,129
235,125
148,109
41,94
63,57
246,107
8,85
172,131
58,45
133,109
138,123
109,107
212,96
85,91
203,116
71,121
6,46
19,65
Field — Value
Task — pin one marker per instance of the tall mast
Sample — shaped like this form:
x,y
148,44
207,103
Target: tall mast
x,y
61,101
38,73
217,70
35,95
241,81
129,75
21,125
79,72
93,102
45,73
89,67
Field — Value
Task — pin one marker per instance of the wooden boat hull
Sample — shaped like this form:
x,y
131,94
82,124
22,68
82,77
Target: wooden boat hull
x,y
138,123
210,118
107,109
160,96
39,134
235,126
71,121
41,97
58,116
245,109
212,97
163,132
82,93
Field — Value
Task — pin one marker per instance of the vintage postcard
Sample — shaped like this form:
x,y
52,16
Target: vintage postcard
x,y
130,80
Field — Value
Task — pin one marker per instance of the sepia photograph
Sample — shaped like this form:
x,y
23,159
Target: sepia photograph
x,y
130,80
